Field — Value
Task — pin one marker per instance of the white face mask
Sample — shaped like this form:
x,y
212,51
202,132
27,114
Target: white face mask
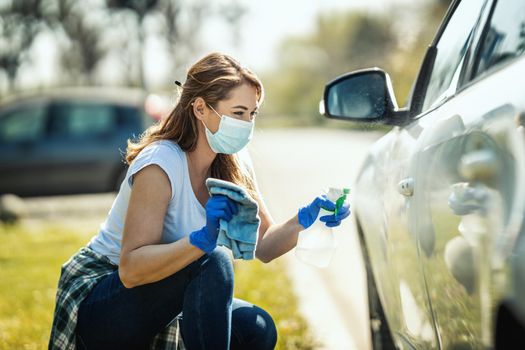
x,y
232,136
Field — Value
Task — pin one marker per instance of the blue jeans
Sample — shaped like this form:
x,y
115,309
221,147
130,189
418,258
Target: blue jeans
x,y
115,317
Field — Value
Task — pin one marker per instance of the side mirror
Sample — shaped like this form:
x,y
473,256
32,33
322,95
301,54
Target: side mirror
x,y
363,96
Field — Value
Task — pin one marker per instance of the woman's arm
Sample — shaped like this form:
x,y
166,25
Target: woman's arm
x,y
143,259
276,239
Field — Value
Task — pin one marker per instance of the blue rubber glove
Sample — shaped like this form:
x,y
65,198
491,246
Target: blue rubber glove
x,y
308,214
218,208
333,220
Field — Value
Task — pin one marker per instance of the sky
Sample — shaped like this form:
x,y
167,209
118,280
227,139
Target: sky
x,y
265,24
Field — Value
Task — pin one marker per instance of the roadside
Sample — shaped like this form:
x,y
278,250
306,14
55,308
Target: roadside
x,y
292,166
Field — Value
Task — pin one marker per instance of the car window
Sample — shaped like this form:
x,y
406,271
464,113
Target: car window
x,y
80,120
26,124
128,116
505,36
451,50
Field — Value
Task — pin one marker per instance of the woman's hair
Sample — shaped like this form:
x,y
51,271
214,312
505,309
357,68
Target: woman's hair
x,y
212,78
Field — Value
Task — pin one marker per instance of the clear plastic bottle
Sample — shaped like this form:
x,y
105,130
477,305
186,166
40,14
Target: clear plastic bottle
x,y
317,243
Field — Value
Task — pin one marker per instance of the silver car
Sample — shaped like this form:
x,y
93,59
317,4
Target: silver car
x,y
440,200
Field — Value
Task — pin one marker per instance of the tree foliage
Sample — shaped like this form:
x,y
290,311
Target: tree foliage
x,y
20,21
339,43
86,33
343,42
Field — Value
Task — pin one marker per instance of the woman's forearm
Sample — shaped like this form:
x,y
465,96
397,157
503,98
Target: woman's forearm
x,y
152,263
278,239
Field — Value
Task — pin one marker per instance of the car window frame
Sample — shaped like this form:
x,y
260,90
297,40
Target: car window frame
x,y
69,103
423,79
472,78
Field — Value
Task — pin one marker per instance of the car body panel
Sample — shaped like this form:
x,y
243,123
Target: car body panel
x,y
440,201
392,245
462,260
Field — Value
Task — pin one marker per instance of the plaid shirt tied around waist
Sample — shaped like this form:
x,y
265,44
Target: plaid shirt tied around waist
x,y
78,277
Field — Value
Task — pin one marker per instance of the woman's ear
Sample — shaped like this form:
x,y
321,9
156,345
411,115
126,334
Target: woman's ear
x,y
199,107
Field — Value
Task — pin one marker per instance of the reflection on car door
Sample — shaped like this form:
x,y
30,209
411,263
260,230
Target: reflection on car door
x,y
392,242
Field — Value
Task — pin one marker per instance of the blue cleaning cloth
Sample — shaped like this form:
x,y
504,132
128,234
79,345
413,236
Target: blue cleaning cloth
x,y
240,233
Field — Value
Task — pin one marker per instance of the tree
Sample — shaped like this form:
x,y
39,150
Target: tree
x,y
344,42
89,32
181,35
83,49
20,22
340,42
140,8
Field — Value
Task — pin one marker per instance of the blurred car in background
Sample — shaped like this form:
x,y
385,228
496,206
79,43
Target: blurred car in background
x,y
69,141
440,199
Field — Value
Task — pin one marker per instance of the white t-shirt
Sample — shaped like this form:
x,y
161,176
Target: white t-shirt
x,y
185,213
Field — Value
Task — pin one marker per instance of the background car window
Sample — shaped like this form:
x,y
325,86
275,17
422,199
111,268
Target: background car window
x,y
128,117
83,120
23,125
451,50
505,36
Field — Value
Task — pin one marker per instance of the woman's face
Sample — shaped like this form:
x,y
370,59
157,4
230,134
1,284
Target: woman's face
x,y
242,104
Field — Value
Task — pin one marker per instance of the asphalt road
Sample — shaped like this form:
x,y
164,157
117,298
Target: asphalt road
x,y
292,167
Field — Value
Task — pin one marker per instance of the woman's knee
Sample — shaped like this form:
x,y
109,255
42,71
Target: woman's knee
x,y
252,327
267,329
220,262
218,268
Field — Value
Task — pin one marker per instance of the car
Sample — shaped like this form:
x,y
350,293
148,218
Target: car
x,y
439,202
68,141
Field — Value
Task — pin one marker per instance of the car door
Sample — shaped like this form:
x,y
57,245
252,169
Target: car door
x,y
467,199
403,237
82,148
23,166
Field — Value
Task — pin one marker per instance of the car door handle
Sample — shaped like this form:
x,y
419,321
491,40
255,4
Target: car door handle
x,y
406,187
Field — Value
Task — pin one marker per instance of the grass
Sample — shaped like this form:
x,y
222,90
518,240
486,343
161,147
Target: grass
x,y
30,260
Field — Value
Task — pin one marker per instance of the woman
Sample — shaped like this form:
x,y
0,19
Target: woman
x,y
155,255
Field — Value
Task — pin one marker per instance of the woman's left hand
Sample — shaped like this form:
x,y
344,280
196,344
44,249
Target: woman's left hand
x,y
334,220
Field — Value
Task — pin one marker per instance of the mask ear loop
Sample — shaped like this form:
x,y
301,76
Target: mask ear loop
x,y
213,109
202,121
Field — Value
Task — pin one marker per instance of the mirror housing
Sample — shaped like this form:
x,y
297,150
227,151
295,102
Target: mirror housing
x,y
362,96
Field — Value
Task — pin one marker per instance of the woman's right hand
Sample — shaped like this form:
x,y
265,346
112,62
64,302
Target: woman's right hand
x,y
218,208
308,214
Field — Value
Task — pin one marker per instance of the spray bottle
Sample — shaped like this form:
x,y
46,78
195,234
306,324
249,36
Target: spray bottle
x,y
316,244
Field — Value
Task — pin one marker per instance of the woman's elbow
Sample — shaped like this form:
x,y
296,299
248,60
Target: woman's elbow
x,y
124,278
125,275
265,258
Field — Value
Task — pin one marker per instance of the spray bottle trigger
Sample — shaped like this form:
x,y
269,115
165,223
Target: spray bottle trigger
x,y
340,201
